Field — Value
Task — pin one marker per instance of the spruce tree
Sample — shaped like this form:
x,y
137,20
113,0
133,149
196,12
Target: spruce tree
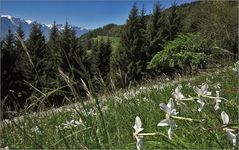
x,y
173,23
66,48
13,90
37,48
53,52
132,49
104,58
156,31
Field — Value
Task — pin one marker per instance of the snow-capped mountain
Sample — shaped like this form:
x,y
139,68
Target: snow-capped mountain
x,y
13,23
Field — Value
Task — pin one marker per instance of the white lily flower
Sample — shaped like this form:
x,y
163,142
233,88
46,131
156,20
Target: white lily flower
x,y
168,122
73,123
225,118
35,129
231,136
178,96
201,101
202,90
169,109
216,107
137,128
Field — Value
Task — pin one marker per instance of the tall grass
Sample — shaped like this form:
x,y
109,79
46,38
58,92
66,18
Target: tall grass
x,y
106,122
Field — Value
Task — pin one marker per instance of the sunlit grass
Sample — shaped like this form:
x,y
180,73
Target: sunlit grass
x,y
119,111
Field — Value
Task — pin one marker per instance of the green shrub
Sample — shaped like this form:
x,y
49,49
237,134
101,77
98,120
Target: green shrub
x,y
185,53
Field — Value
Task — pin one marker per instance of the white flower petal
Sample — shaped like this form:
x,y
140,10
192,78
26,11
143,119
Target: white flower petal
x,y
204,89
197,90
231,137
170,104
169,133
216,107
165,108
202,103
208,93
225,118
137,125
139,143
165,122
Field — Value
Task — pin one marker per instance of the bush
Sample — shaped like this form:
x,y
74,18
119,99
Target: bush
x,y
185,53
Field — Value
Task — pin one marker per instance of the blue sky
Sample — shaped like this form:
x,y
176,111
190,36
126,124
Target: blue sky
x,y
83,13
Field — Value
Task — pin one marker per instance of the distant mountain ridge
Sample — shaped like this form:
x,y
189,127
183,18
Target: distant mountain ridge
x,y
10,22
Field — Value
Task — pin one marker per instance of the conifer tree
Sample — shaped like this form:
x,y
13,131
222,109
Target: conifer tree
x,y
67,48
132,49
173,23
7,65
37,48
53,52
104,57
12,75
156,31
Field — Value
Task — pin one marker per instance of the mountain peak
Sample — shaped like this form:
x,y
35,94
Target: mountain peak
x,y
7,16
10,22
28,21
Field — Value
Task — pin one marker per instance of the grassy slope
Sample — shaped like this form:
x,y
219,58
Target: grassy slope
x,y
114,40
120,110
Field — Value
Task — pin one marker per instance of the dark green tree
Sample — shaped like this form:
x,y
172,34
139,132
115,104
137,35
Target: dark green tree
x,y
104,57
156,30
173,22
37,49
68,43
53,52
132,48
13,89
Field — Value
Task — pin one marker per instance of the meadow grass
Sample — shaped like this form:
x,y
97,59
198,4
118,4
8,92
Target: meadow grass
x,y
51,131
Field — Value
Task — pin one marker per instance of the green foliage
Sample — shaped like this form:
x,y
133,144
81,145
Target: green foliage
x,y
132,52
156,31
112,30
37,47
182,54
14,91
104,58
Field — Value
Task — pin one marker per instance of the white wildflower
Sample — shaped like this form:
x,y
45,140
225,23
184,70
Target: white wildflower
x,y
178,96
218,100
201,92
236,67
137,128
231,136
73,123
170,111
35,129
5,148
201,101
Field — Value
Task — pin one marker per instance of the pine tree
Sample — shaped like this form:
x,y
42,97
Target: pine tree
x,y
104,58
66,48
53,52
173,23
13,90
7,66
133,46
23,63
156,31
37,48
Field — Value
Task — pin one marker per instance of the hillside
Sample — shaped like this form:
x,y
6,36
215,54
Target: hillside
x,y
114,40
74,126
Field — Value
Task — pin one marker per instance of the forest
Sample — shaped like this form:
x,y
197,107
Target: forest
x,y
39,73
